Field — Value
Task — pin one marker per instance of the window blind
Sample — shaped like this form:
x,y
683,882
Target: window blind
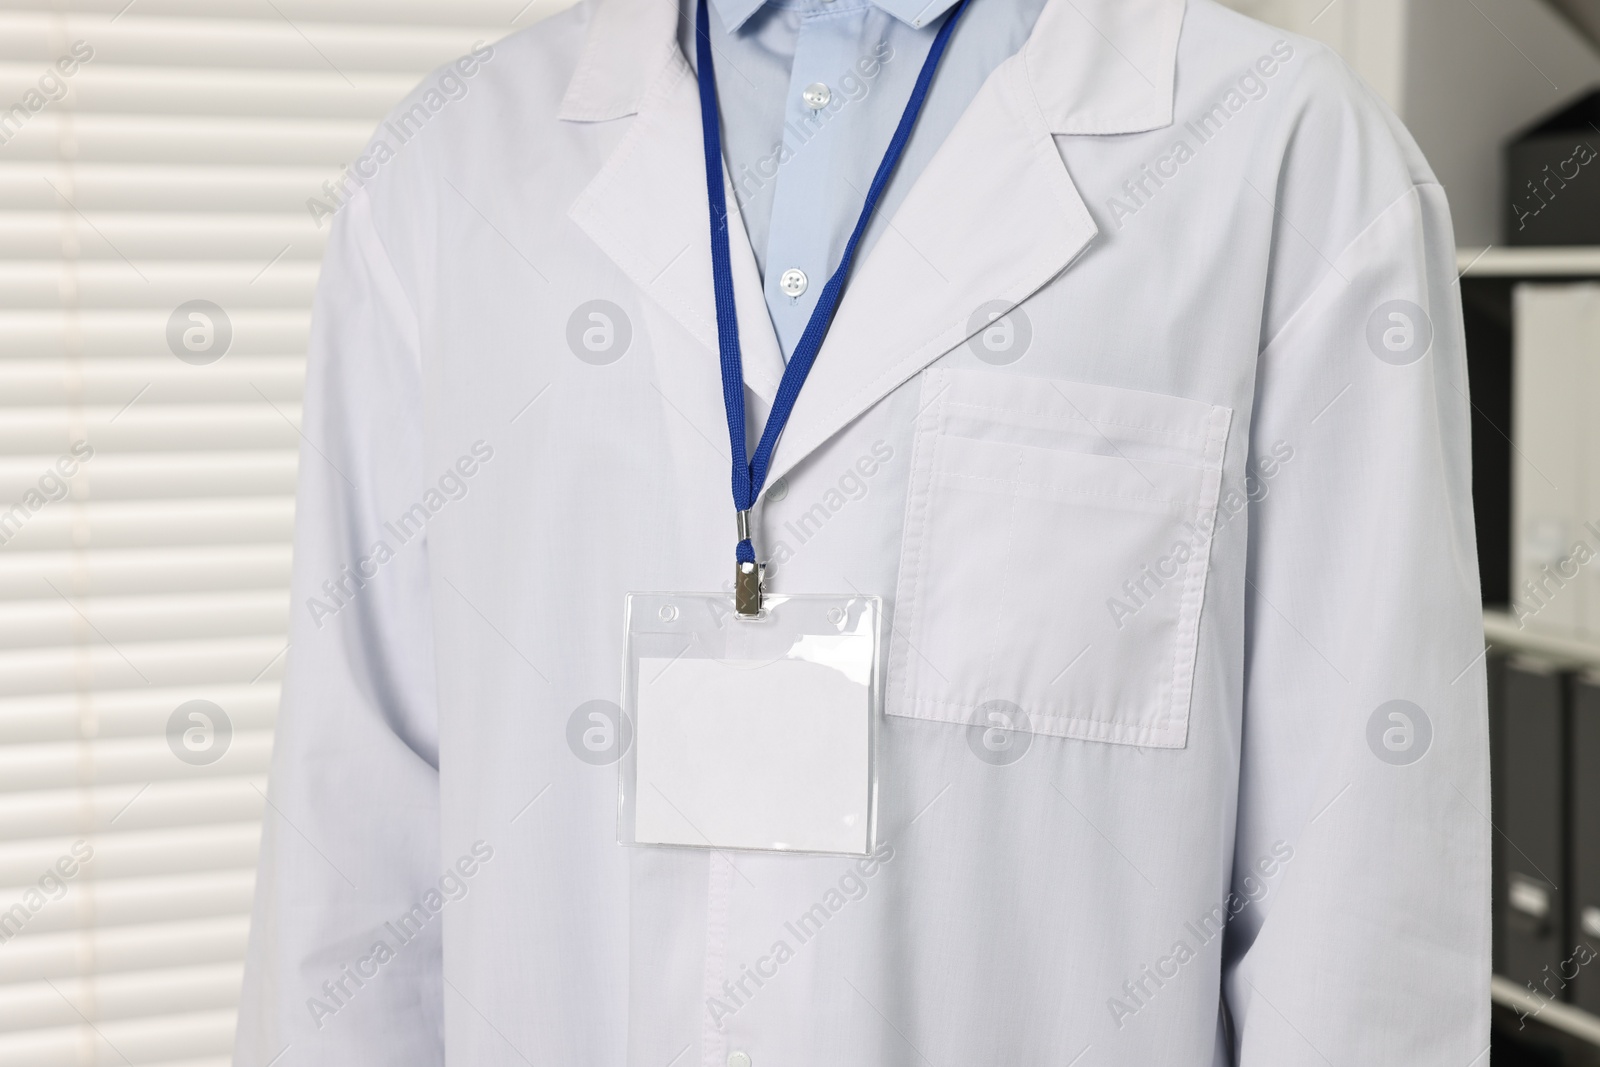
x,y
157,259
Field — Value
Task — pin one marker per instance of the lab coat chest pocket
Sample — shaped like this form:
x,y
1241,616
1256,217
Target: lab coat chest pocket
x,y
1055,554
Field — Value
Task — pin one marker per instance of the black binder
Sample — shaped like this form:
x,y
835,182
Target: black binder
x,y
1533,827
1551,197
1584,913
1495,668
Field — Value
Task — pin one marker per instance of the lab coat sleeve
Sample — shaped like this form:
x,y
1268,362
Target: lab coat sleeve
x,y
1361,863
342,967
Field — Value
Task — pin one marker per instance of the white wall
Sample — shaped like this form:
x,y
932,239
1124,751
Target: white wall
x,y
1370,34
1464,75
1470,85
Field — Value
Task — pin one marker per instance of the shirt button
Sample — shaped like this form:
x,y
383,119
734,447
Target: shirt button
x,y
817,96
793,282
738,1059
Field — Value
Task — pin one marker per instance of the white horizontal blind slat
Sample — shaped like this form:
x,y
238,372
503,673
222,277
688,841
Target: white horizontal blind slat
x,y
176,165
157,379
259,43
157,186
128,995
144,571
103,87
140,712
382,14
162,803
120,1042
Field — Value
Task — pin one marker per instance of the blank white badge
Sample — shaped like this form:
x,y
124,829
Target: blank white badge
x,y
752,754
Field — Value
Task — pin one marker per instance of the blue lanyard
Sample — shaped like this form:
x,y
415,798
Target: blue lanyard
x,y
749,476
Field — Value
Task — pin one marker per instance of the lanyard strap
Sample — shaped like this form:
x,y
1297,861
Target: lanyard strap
x,y
749,477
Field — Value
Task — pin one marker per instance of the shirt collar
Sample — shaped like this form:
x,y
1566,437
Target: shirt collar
x,y
1095,66
914,13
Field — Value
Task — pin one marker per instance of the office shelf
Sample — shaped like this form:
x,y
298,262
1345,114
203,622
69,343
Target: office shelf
x,y
1572,1021
1500,630
1499,261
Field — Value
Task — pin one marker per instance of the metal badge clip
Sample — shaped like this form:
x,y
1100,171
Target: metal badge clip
x,y
747,577
747,580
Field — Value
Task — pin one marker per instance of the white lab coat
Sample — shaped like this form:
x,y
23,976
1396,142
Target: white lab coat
x,y
1201,509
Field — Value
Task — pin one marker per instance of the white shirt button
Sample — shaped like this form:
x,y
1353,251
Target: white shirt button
x,y
816,96
793,282
739,1059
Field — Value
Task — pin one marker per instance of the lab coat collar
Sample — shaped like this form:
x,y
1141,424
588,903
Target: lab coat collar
x,y
646,209
629,43
1094,66
914,13
1104,66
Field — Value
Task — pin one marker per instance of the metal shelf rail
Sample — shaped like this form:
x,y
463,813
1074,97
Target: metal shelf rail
x,y
1497,261
1500,630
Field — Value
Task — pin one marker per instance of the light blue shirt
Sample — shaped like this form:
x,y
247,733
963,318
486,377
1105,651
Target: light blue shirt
x,y
800,173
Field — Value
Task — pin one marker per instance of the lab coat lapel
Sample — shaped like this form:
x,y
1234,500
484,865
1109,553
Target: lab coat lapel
x,y
992,218
647,210
995,215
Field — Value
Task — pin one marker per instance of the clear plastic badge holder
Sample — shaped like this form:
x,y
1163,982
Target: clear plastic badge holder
x,y
751,733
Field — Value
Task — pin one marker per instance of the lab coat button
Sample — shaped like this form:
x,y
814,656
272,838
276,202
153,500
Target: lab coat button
x,y
793,282
817,96
738,1059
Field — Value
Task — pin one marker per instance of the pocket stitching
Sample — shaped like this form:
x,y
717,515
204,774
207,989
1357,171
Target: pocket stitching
x,y
1204,435
1188,624
1178,505
923,450
1114,725
967,705
1011,544
1200,567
